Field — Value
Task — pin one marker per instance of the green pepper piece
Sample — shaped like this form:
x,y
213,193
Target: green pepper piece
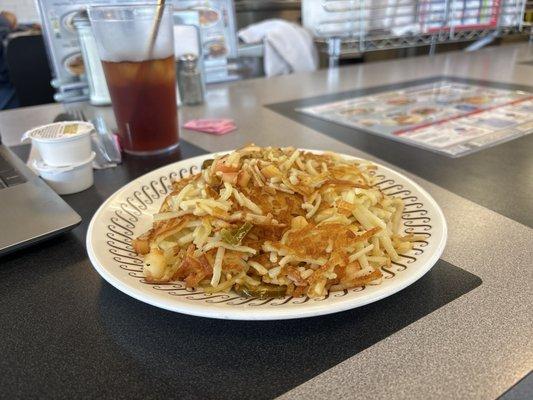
x,y
235,236
227,236
263,291
207,163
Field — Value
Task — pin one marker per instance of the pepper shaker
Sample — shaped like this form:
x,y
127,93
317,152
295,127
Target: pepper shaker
x,y
190,84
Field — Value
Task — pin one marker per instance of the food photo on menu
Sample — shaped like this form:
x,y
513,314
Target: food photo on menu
x,y
218,199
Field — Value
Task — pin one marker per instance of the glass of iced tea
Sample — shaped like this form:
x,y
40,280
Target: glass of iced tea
x,y
136,46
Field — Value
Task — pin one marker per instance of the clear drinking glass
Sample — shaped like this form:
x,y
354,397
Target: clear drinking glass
x,y
136,46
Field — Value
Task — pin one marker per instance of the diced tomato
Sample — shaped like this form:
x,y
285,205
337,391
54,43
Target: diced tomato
x,y
230,177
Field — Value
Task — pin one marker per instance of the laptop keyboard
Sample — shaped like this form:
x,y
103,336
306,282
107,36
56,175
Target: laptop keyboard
x,y
9,176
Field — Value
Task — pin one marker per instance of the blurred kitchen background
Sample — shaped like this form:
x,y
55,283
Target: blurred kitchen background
x,y
49,54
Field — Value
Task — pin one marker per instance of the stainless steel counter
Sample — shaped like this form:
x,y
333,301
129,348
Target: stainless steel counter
x,y
477,346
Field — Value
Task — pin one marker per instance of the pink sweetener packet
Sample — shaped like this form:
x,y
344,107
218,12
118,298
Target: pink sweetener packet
x,y
217,126
216,131
227,129
214,122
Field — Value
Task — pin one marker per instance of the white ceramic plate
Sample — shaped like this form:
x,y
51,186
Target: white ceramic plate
x,y
128,213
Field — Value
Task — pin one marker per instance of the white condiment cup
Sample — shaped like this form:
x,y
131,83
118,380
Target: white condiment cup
x,y
62,143
67,180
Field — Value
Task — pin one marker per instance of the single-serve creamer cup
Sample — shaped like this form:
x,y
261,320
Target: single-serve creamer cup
x,y
67,180
62,143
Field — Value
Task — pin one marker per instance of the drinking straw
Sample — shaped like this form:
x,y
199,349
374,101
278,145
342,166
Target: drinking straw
x,y
155,29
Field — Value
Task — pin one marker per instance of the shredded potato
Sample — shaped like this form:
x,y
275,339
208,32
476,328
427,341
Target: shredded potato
x,y
273,222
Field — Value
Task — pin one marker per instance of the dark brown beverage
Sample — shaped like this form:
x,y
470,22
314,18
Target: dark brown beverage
x,y
144,101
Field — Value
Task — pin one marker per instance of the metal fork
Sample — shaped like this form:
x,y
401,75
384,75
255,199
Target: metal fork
x,y
77,114
74,114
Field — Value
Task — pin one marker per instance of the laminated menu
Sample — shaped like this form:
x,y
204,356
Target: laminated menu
x,y
446,117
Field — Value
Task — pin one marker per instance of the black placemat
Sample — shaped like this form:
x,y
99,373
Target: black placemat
x,y
66,333
522,390
498,178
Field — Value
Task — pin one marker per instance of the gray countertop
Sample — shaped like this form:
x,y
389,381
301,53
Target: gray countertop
x,y
476,346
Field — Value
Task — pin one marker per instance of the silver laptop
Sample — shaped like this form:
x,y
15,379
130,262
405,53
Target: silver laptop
x,y
29,210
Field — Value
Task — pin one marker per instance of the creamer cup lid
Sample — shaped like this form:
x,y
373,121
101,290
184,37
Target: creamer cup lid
x,y
59,131
41,166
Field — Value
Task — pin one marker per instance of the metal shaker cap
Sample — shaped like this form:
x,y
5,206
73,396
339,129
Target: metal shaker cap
x,y
81,18
188,61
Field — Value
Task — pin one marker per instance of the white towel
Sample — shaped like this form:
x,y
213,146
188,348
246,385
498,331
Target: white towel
x,y
287,47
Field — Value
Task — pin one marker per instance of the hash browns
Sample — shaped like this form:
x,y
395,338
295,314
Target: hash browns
x,y
273,222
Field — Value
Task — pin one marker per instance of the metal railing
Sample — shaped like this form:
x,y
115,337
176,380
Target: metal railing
x,y
358,26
